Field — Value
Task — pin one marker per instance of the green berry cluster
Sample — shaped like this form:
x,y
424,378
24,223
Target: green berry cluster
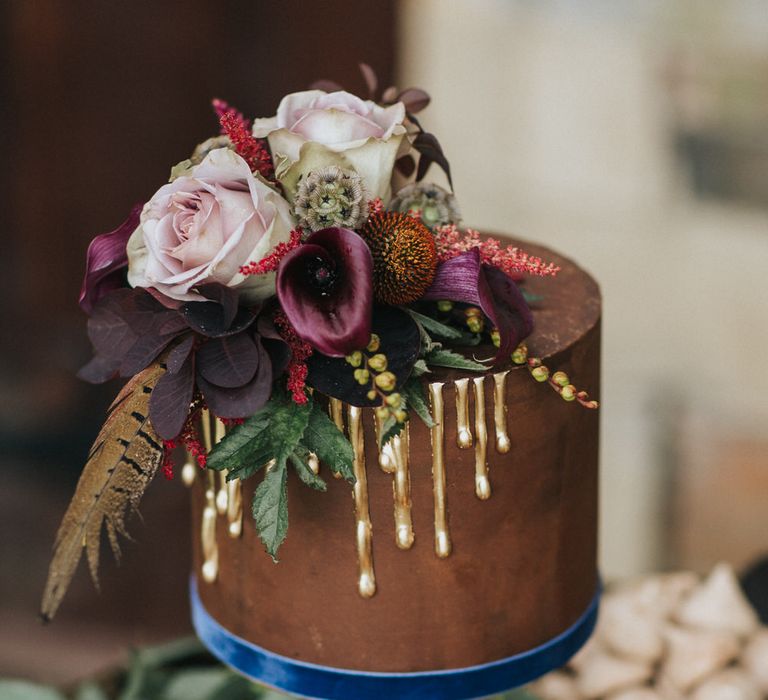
x,y
371,370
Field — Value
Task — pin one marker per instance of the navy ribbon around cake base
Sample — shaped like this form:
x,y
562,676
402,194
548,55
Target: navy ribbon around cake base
x,y
325,682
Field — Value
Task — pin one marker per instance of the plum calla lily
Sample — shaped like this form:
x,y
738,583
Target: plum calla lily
x,y
325,288
466,278
105,258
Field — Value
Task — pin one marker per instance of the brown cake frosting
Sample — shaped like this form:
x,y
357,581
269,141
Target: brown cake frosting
x,y
506,565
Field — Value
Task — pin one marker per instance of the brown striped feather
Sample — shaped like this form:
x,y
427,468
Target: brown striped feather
x,y
123,460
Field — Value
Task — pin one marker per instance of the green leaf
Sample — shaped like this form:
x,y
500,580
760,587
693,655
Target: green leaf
x,y
270,507
419,368
447,358
322,437
415,398
299,461
434,327
23,690
390,429
271,433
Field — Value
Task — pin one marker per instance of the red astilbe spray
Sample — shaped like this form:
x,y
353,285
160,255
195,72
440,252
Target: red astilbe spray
x,y
451,242
246,145
297,365
271,262
189,438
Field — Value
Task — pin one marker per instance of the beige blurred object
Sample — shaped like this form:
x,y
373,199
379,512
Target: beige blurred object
x,y
692,655
631,629
719,605
637,694
605,674
755,658
660,594
556,686
731,684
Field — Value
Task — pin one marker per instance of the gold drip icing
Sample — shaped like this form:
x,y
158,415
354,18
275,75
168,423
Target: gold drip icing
x,y
401,487
367,581
335,408
189,471
463,432
386,453
313,463
235,508
500,412
482,484
210,568
442,537
221,495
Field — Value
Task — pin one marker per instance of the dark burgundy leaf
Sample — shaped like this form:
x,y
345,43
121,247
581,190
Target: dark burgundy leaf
x,y
431,152
174,323
400,343
225,296
371,81
178,355
279,355
326,85
170,400
108,329
414,99
209,318
143,352
100,369
167,302
406,165
228,362
104,261
243,401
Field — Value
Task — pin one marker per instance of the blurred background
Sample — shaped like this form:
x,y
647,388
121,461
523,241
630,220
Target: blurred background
x,y
632,136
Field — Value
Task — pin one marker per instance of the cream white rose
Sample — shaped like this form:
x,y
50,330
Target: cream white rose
x,y
203,226
315,129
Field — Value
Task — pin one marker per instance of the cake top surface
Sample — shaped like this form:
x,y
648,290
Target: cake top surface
x,y
305,253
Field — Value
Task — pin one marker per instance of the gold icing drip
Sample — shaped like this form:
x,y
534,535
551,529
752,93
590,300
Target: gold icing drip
x,y
313,463
442,537
210,568
463,432
500,412
386,453
189,471
335,407
364,531
235,508
401,487
221,494
482,484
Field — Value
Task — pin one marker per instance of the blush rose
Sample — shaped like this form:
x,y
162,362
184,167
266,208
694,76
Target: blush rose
x,y
202,227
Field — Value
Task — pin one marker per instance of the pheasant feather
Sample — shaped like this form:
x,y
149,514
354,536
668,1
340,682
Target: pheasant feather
x,y
123,460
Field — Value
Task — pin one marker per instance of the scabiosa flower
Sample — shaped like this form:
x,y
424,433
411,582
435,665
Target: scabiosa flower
x,y
404,257
331,197
325,288
436,206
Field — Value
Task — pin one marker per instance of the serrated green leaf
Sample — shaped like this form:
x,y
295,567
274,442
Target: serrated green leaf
x,y
322,437
270,508
415,398
447,358
390,429
434,327
299,461
419,368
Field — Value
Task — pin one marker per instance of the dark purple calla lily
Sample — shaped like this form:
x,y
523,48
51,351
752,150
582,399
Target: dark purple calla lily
x,y
325,288
105,258
465,278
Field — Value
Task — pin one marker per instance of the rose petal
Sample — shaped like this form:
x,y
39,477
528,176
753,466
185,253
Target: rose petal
x,y
106,256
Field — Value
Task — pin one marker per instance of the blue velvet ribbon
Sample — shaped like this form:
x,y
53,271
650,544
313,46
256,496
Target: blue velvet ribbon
x,y
328,683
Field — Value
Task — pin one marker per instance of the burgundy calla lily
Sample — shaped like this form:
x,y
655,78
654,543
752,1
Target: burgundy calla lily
x,y
105,258
325,287
465,278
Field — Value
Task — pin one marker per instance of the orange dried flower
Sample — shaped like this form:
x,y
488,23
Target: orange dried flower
x,y
404,257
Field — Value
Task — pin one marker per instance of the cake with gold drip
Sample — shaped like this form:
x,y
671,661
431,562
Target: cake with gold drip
x,y
304,315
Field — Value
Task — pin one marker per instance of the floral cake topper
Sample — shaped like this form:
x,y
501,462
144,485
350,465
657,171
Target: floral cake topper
x,y
299,257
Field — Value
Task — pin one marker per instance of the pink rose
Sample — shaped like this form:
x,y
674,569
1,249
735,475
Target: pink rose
x,y
204,226
314,129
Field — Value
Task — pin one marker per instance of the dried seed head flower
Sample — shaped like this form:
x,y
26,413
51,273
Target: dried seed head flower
x,y
436,206
404,257
331,197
